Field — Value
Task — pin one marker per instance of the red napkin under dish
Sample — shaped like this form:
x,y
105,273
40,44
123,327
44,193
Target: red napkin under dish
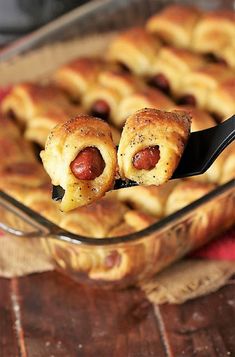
x,y
223,248
4,92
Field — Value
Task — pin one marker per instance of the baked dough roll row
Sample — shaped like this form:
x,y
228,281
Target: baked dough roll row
x,y
104,97
39,108
77,76
171,65
145,98
80,156
188,27
18,163
135,49
152,144
175,24
28,100
199,86
38,128
144,56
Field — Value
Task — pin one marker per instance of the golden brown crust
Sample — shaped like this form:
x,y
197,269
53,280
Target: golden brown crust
x,y
214,31
124,83
96,219
121,230
222,100
148,199
136,49
229,54
200,119
18,163
174,63
39,127
63,145
201,82
27,100
174,24
146,98
139,220
186,192
147,128
111,87
77,76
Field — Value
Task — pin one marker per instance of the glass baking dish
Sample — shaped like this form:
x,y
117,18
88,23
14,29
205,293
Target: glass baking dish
x,y
126,260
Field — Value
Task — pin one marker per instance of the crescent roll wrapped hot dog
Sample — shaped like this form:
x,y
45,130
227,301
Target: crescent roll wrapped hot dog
x,y
175,24
80,156
104,97
28,100
39,127
221,101
151,145
77,76
145,98
199,83
135,49
214,32
171,65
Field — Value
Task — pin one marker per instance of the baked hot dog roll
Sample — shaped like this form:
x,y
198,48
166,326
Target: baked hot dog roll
x,y
151,145
146,98
102,102
221,101
134,49
96,219
148,199
214,31
186,192
103,99
229,55
198,84
28,100
175,24
39,127
80,156
77,76
171,65
200,119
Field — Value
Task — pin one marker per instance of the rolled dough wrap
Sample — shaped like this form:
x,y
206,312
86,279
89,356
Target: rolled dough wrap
x,y
147,131
64,145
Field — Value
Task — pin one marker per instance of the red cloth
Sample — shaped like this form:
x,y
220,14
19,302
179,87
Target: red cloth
x,y
223,248
3,92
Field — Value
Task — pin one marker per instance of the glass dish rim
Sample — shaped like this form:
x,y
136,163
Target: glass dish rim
x,y
56,232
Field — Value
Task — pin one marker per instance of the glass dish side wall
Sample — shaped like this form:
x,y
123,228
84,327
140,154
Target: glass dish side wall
x,y
128,263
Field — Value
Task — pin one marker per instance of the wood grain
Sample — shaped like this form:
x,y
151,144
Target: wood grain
x,y
46,315
8,339
62,318
201,327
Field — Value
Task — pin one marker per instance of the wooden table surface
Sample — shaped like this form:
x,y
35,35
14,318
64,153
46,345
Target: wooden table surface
x,y
48,315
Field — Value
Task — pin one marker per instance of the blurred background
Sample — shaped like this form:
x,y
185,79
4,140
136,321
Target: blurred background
x,y
18,17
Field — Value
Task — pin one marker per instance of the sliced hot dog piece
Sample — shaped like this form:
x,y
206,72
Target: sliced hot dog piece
x,y
188,99
147,158
161,82
88,164
101,109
